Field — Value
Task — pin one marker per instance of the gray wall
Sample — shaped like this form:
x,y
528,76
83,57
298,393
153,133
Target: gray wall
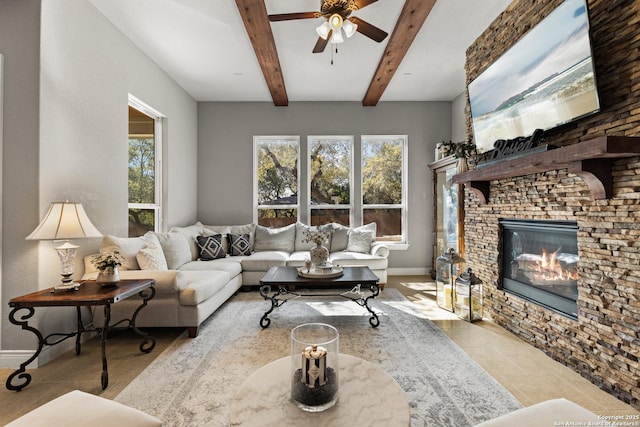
x,y
225,154
66,137
458,118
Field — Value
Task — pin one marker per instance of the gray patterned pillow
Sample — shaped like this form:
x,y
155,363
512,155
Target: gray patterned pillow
x,y
211,247
239,244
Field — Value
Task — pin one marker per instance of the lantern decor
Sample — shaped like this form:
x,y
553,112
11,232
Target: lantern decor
x,y
469,297
314,366
447,268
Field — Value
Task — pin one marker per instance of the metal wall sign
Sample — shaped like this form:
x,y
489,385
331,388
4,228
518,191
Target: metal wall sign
x,y
516,147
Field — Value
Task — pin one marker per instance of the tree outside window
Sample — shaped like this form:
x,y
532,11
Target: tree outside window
x,y
383,185
144,176
330,178
276,170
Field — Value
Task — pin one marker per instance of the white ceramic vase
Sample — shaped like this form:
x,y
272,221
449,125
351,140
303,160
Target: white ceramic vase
x,y
319,254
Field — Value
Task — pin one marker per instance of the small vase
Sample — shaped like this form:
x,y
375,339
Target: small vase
x,y
110,276
319,254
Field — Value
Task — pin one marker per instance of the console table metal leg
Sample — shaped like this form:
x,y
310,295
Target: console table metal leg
x,y
148,343
104,380
21,373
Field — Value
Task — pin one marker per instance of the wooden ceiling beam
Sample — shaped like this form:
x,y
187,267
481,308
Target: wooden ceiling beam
x,y
256,21
413,15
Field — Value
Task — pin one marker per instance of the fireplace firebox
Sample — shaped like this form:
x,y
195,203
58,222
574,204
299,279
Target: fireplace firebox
x,y
540,263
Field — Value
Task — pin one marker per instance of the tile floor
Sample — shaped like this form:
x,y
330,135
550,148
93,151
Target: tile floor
x,y
494,348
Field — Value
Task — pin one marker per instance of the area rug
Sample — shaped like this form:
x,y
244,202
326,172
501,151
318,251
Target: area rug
x,y
192,382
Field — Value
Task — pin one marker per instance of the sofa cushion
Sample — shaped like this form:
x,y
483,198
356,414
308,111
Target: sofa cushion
x,y
151,257
360,240
230,264
346,259
262,261
128,248
339,236
548,413
239,244
191,233
275,239
175,247
301,243
199,286
211,247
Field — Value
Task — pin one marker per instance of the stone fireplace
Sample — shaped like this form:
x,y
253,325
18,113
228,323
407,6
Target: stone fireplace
x,y
540,263
601,195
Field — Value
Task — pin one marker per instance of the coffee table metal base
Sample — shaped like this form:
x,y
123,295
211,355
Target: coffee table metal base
x,y
282,295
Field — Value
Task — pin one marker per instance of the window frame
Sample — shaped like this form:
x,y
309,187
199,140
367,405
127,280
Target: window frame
x,y
351,206
405,184
158,207
257,207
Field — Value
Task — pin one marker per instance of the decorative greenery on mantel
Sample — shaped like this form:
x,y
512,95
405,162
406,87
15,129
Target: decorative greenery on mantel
x,y
458,149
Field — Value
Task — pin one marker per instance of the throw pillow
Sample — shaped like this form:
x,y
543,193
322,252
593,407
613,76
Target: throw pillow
x,y
211,247
339,236
176,249
275,239
191,232
128,248
239,244
360,241
151,257
301,235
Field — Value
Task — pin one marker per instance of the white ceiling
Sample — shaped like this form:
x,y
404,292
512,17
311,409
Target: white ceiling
x,y
203,46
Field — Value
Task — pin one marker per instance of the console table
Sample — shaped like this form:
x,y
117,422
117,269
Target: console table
x,y
89,294
368,396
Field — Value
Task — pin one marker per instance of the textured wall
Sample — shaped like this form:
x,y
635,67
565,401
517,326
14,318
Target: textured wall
x,y
603,345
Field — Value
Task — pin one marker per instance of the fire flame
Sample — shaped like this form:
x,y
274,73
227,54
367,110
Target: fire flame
x,y
549,268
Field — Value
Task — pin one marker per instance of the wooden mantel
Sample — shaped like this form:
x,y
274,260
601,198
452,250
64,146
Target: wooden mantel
x,y
591,160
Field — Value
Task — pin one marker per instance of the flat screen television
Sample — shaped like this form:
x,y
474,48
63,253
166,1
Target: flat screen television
x,y
543,81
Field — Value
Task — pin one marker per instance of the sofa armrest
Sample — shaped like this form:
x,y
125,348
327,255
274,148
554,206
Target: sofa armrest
x,y
380,249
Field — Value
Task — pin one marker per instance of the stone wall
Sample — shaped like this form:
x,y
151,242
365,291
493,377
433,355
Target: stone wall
x,y
603,345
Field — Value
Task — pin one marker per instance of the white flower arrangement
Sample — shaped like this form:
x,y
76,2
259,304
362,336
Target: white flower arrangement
x,y
108,259
317,237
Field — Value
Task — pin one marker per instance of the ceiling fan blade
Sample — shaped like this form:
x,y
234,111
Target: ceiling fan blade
x,y
292,16
369,30
364,3
321,44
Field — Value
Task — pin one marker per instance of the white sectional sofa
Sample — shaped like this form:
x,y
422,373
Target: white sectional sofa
x,y
197,268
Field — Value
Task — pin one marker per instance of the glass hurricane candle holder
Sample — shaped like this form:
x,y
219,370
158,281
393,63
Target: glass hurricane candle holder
x,y
314,366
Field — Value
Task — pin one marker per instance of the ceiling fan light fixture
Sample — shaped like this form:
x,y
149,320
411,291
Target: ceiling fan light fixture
x,y
349,28
323,30
336,37
335,21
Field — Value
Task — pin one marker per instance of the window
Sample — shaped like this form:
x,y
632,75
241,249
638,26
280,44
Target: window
x,y
145,175
330,160
276,180
384,185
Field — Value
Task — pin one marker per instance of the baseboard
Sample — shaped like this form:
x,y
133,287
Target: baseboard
x,y
422,271
11,359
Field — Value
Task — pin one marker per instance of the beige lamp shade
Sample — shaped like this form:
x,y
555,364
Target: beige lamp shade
x,y
64,221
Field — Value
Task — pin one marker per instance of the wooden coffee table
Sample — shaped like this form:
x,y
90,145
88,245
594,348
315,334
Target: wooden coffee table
x,y
88,294
285,281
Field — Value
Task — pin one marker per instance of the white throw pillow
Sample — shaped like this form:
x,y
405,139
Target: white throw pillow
x,y
191,233
275,239
360,241
301,230
151,257
128,248
176,249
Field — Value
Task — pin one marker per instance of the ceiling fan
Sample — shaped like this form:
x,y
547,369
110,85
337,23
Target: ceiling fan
x,y
338,16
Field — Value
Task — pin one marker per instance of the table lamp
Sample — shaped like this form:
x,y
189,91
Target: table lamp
x,y
64,221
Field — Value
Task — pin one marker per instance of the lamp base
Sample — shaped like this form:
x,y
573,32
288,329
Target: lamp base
x,y
71,286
